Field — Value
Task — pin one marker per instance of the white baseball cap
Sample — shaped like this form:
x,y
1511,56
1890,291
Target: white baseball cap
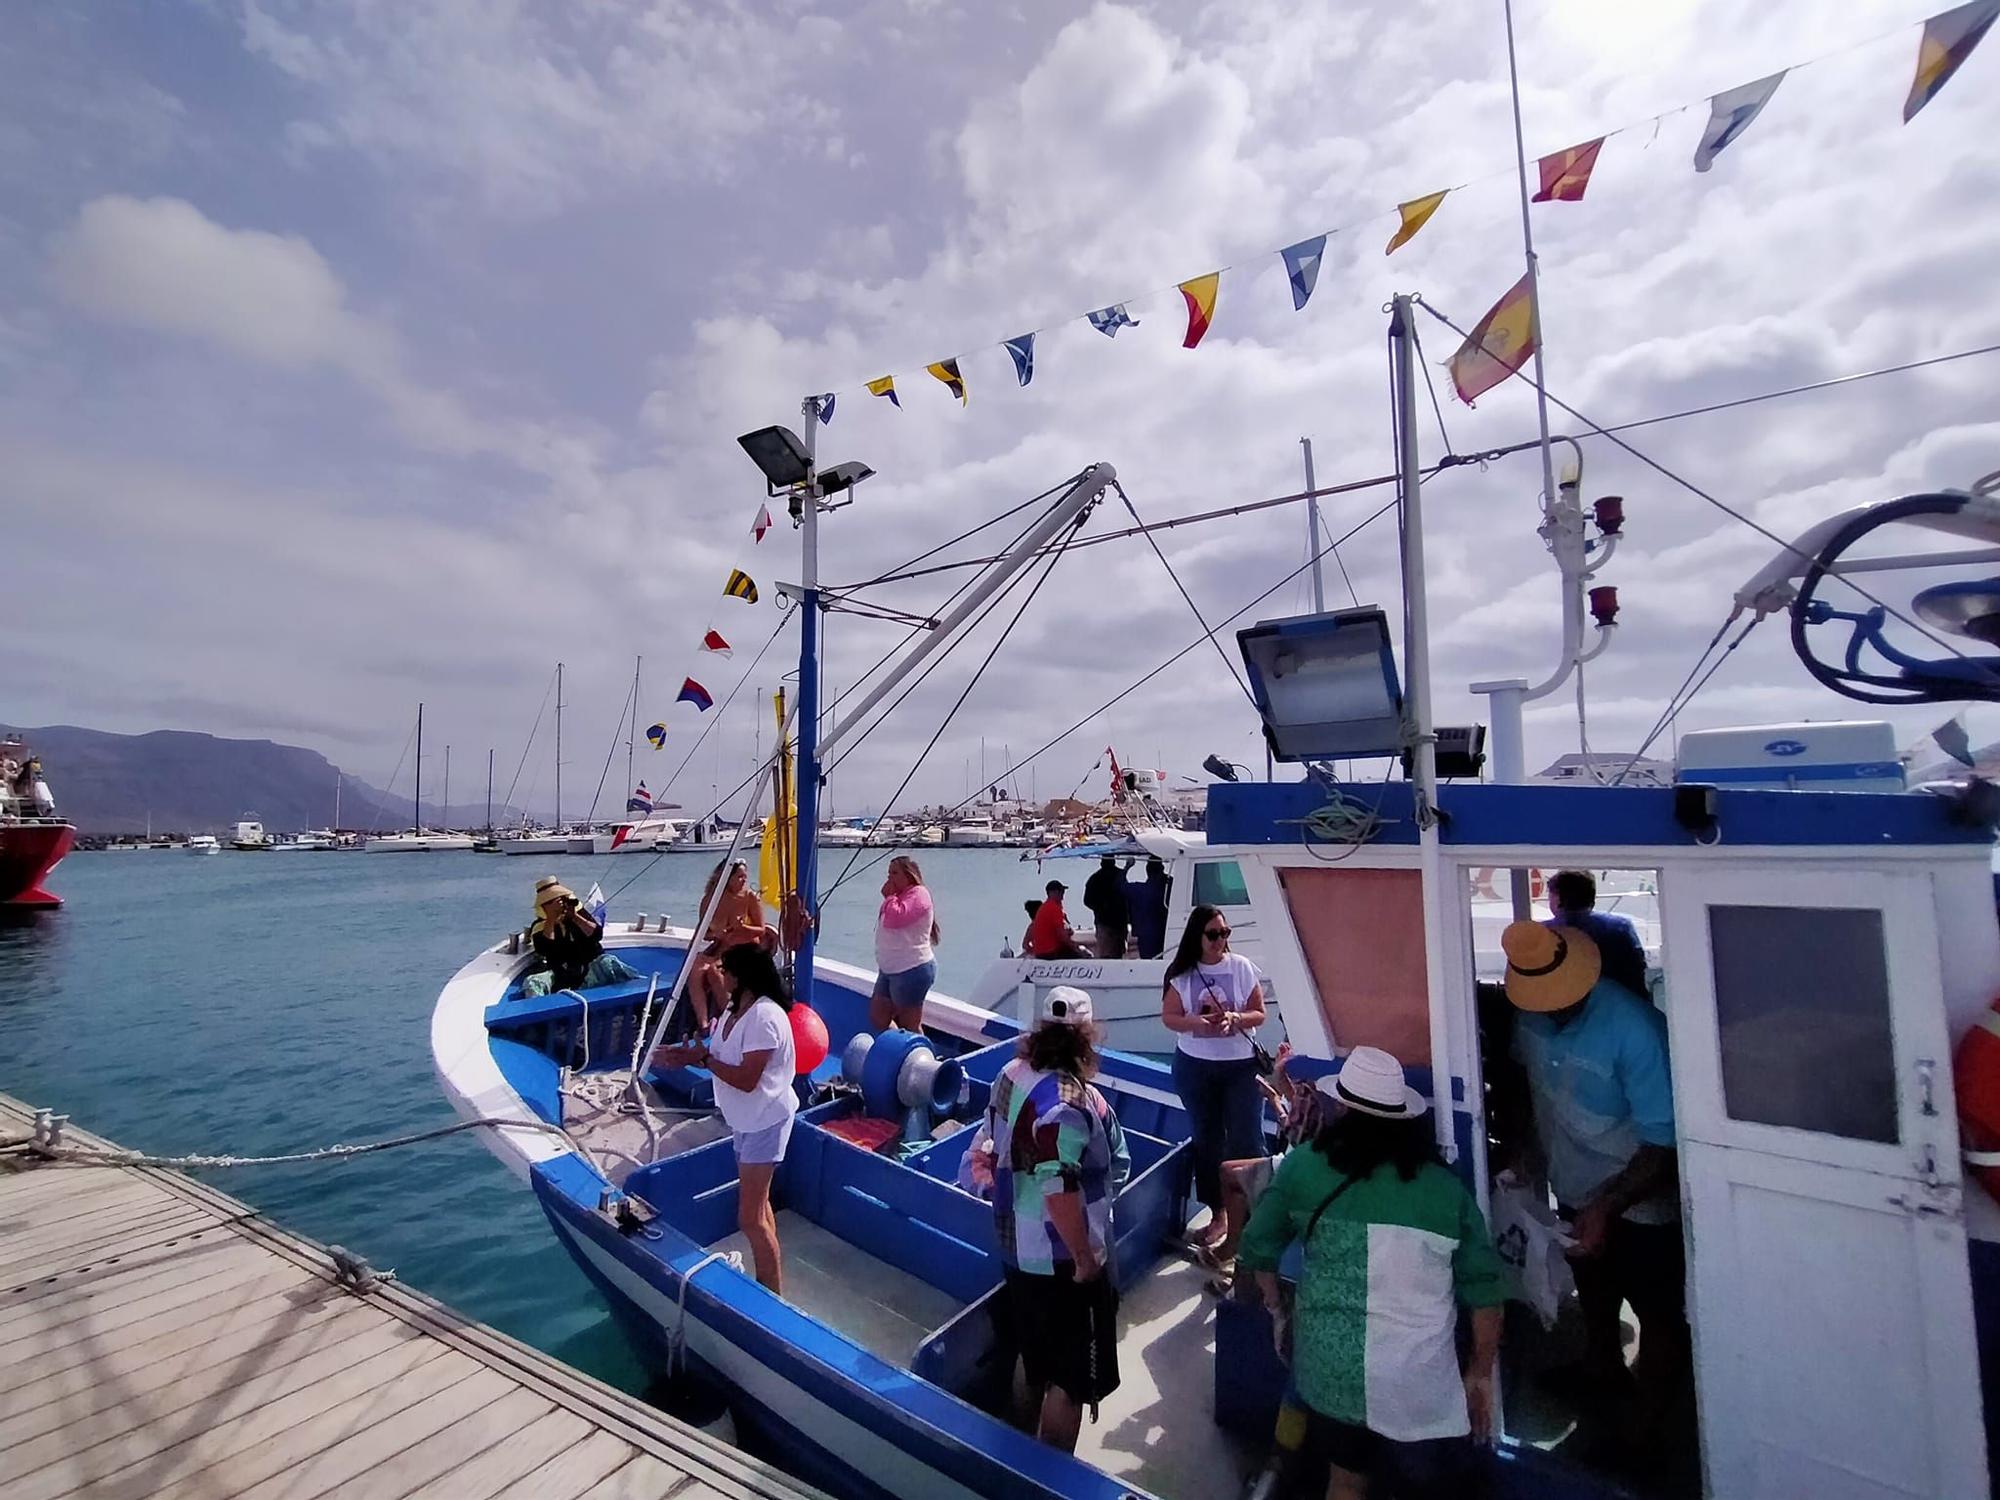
x,y
1066,1004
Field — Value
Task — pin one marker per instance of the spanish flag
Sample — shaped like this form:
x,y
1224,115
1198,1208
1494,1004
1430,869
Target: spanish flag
x,y
1565,174
740,586
1200,294
1947,42
886,386
1416,213
1500,344
947,371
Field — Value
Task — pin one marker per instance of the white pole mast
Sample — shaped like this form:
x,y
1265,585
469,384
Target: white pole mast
x,y
1312,528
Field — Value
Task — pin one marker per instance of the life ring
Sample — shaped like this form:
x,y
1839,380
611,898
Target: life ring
x,y
1975,1070
1486,887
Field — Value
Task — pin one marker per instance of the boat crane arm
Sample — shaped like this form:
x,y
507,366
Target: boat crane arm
x,y
1087,490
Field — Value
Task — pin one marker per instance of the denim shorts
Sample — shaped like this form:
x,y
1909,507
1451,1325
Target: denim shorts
x,y
763,1148
909,987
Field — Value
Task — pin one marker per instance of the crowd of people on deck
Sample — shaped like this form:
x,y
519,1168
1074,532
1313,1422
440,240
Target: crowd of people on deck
x,y
1390,1320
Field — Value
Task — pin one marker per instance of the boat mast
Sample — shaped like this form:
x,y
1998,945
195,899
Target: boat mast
x,y
808,761
336,799
489,793
447,789
1417,661
632,729
417,802
1312,529
558,827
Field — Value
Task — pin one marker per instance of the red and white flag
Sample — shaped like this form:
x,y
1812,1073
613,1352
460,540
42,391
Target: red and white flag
x,y
713,641
762,524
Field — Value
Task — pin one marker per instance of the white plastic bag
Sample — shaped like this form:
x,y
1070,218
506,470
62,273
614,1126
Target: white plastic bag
x,y
1532,1241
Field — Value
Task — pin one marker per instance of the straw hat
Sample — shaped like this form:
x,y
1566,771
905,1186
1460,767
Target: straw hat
x,y
549,889
1371,1081
1549,968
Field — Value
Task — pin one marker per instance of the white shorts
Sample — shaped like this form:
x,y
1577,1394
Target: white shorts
x,y
763,1148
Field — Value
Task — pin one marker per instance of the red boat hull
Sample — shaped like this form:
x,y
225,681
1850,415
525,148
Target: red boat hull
x,y
28,851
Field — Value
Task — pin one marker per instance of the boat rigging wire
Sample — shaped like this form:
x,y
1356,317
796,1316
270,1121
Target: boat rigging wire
x,y
1682,696
603,775
1208,630
1121,696
1481,457
900,568
1048,568
376,822
528,748
1731,511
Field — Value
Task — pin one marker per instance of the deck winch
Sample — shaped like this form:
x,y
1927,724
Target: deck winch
x,y
901,1077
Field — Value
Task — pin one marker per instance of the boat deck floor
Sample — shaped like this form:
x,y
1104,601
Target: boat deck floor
x,y
617,1141
1157,1430
885,1310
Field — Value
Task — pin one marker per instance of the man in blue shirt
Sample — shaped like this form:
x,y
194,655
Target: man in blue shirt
x,y
1573,900
1595,1055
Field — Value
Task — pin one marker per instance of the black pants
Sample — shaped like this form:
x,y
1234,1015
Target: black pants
x,y
1645,1265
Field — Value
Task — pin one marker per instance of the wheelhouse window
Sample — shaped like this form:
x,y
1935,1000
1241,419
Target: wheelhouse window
x,y
1802,1011
1219,882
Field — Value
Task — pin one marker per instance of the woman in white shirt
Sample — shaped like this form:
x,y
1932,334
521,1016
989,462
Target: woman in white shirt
x,y
1212,1002
752,1058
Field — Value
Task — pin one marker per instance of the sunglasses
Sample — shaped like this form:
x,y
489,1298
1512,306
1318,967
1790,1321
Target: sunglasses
x,y
1216,934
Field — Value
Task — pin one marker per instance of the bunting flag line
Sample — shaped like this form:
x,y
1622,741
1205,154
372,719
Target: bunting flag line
x,y
1416,213
693,692
1947,42
946,370
1200,294
886,386
1023,350
641,800
740,586
761,525
1500,343
1108,320
714,642
656,735
1302,268
1565,174
1730,114
826,409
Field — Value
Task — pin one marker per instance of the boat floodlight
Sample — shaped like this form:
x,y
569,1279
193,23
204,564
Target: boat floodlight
x,y
1325,684
1219,768
780,453
843,476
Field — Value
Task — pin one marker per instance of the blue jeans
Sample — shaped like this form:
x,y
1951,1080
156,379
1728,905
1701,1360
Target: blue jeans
x,y
1226,1114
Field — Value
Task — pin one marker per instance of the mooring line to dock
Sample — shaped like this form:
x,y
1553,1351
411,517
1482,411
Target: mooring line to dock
x,y
46,1145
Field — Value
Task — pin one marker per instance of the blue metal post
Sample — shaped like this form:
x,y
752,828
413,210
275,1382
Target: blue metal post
x,y
808,756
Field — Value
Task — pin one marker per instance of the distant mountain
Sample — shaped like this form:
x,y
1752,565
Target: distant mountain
x,y
197,783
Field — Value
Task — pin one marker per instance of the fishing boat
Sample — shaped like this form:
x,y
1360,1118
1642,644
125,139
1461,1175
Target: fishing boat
x,y
250,836
33,839
1821,955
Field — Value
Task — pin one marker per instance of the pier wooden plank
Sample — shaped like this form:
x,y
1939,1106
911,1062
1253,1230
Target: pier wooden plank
x,y
522,1453
158,1338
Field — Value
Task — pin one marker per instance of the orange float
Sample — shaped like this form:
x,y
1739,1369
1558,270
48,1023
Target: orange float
x,y
1976,1075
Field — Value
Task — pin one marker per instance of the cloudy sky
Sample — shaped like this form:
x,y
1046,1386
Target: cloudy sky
x,y
356,355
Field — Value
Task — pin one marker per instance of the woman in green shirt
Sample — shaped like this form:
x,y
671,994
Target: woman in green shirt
x,y
1393,1243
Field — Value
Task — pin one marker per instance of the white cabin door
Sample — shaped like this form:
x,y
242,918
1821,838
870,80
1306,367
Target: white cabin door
x,y
1828,1285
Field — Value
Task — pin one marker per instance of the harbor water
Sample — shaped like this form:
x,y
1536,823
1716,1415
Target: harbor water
x,y
260,1003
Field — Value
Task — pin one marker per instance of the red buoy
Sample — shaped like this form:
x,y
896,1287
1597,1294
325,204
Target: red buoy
x,y
1976,1077
809,1039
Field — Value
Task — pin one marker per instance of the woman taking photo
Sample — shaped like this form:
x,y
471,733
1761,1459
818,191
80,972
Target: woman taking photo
x,y
905,965
753,1061
1393,1243
1212,1002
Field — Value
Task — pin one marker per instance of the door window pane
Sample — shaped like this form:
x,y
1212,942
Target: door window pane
x,y
1802,1010
1219,882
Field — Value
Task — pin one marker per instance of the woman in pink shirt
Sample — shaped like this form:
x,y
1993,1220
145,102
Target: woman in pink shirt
x,y
905,966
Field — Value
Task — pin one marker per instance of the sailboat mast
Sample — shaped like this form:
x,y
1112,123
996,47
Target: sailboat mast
x,y
417,802
632,729
336,799
489,793
447,788
558,747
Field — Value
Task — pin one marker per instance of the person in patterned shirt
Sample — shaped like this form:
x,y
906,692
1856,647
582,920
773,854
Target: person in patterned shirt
x,y
1059,1160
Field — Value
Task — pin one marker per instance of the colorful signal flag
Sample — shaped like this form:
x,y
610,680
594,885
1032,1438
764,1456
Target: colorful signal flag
x,y
1500,343
1947,42
1730,114
740,586
1302,268
886,386
1108,320
713,641
693,692
656,735
1565,174
1416,213
946,370
1200,295
1023,350
762,524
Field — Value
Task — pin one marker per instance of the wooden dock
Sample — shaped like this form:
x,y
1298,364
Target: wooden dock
x,y
160,1339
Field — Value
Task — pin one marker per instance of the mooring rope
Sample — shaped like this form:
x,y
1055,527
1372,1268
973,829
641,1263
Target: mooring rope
x,y
87,1156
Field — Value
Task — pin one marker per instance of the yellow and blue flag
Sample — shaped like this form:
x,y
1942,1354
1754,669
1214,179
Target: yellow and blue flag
x,y
740,586
886,386
946,370
1947,42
